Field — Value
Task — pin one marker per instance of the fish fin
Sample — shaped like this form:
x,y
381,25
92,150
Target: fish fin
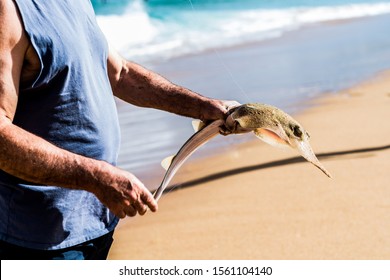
x,y
166,162
198,125
273,138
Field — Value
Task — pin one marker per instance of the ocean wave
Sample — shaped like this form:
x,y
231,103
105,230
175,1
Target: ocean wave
x,y
139,35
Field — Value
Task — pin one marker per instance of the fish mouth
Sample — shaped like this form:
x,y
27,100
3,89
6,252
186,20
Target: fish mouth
x,y
233,126
306,151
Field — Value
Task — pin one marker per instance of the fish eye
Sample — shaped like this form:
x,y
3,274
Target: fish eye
x,y
297,131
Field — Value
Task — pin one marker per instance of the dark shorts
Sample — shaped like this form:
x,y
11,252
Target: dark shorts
x,y
95,249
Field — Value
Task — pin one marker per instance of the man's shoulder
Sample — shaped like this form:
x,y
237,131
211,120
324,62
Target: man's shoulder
x,y
11,31
13,39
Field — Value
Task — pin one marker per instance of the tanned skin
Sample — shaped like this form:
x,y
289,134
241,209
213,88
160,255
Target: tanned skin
x,y
33,159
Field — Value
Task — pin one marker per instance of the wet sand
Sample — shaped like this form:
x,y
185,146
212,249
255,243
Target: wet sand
x,y
253,201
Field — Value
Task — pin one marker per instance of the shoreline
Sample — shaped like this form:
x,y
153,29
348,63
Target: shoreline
x,y
258,202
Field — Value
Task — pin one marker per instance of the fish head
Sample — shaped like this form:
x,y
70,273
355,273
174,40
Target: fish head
x,y
275,127
255,116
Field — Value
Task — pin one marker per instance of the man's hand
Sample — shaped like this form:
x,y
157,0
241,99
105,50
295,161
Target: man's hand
x,y
226,106
221,110
33,159
123,193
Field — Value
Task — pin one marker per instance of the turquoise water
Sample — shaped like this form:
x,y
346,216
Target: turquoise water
x,y
155,29
154,7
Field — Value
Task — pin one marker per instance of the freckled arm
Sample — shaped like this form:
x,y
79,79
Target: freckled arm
x,y
142,87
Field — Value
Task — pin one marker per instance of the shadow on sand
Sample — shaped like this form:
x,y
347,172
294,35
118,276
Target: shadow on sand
x,y
293,160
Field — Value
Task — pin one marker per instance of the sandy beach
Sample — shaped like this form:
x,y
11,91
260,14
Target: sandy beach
x,y
253,201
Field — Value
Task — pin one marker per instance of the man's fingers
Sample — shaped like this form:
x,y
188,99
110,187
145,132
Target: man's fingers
x,y
120,214
230,105
148,199
139,206
130,210
137,198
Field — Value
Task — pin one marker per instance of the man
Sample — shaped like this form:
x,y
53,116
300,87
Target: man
x,y
60,192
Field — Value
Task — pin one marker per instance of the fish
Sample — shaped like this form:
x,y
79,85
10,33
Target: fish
x,y
268,123
172,164
275,127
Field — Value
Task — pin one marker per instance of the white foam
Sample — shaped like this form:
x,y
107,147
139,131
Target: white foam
x,y
134,27
138,36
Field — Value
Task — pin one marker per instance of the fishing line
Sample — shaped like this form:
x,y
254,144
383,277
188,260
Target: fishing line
x,y
227,69
192,6
230,74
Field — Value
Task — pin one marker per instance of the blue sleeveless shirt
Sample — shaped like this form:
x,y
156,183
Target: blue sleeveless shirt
x,y
71,105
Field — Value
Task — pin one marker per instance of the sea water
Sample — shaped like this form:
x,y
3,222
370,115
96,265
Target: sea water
x,y
288,52
156,29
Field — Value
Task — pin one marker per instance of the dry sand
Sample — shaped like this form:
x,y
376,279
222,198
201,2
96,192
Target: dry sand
x,y
257,202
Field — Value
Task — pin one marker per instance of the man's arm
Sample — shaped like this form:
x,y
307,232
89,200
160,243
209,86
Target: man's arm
x,y
141,87
31,158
